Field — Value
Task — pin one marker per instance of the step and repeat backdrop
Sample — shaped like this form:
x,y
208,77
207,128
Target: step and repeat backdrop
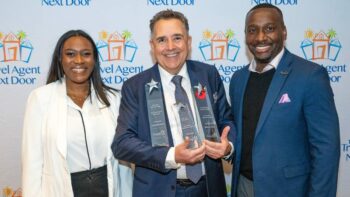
x,y
317,31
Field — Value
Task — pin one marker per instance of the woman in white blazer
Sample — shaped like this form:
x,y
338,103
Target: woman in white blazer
x,y
69,125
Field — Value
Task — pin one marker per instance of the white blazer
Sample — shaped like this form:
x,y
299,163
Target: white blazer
x,y
44,145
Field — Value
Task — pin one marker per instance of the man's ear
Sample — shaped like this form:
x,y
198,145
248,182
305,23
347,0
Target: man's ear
x,y
285,33
151,44
189,42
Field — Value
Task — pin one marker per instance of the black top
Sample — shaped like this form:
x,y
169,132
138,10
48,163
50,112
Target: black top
x,y
254,97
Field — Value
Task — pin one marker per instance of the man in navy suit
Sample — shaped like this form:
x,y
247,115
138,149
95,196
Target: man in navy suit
x,y
161,170
287,140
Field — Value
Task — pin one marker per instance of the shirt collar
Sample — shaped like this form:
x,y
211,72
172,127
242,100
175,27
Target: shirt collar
x,y
273,64
167,77
91,99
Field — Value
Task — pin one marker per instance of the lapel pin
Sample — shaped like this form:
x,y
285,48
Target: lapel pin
x,y
284,72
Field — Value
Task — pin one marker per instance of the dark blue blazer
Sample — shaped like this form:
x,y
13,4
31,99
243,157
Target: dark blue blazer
x,y
133,140
296,146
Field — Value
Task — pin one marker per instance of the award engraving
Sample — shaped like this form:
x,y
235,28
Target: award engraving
x,y
156,117
206,114
188,126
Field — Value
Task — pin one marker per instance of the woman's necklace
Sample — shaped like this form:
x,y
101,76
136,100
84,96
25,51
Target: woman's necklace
x,y
77,98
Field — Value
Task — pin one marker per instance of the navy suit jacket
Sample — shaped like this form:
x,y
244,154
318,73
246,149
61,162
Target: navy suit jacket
x,y
296,146
132,141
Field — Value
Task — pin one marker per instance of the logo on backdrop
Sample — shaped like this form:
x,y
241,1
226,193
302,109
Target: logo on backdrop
x,y
170,2
345,148
321,45
275,2
15,54
69,3
15,47
9,192
221,49
117,53
324,48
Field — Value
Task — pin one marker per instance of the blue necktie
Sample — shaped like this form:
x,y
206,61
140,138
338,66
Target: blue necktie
x,y
194,172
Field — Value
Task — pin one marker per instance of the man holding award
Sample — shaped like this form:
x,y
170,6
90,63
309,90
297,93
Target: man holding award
x,y
174,119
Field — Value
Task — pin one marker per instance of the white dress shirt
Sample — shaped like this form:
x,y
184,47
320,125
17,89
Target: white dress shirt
x,y
273,64
173,116
96,135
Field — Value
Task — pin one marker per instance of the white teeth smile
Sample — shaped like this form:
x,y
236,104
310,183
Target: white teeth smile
x,y
262,48
78,70
171,55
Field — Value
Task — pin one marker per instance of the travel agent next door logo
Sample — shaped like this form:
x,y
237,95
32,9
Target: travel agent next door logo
x,y
324,48
221,49
345,148
68,3
275,2
117,53
15,54
170,2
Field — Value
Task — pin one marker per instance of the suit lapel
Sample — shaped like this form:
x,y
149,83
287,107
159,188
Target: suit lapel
x,y
242,84
197,77
58,115
155,74
278,80
191,69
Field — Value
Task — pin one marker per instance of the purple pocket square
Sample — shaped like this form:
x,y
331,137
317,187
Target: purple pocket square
x,y
284,99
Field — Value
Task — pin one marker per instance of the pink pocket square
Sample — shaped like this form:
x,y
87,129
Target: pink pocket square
x,y
284,99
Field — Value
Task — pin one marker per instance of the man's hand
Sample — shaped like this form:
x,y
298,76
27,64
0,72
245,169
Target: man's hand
x,y
189,156
218,150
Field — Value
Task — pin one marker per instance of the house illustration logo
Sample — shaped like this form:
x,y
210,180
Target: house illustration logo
x,y
9,192
219,45
115,46
321,45
15,47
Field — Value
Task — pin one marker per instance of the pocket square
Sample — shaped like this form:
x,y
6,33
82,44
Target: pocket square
x,y
284,99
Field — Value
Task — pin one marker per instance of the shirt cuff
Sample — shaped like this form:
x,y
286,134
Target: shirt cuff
x,y
226,157
170,160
